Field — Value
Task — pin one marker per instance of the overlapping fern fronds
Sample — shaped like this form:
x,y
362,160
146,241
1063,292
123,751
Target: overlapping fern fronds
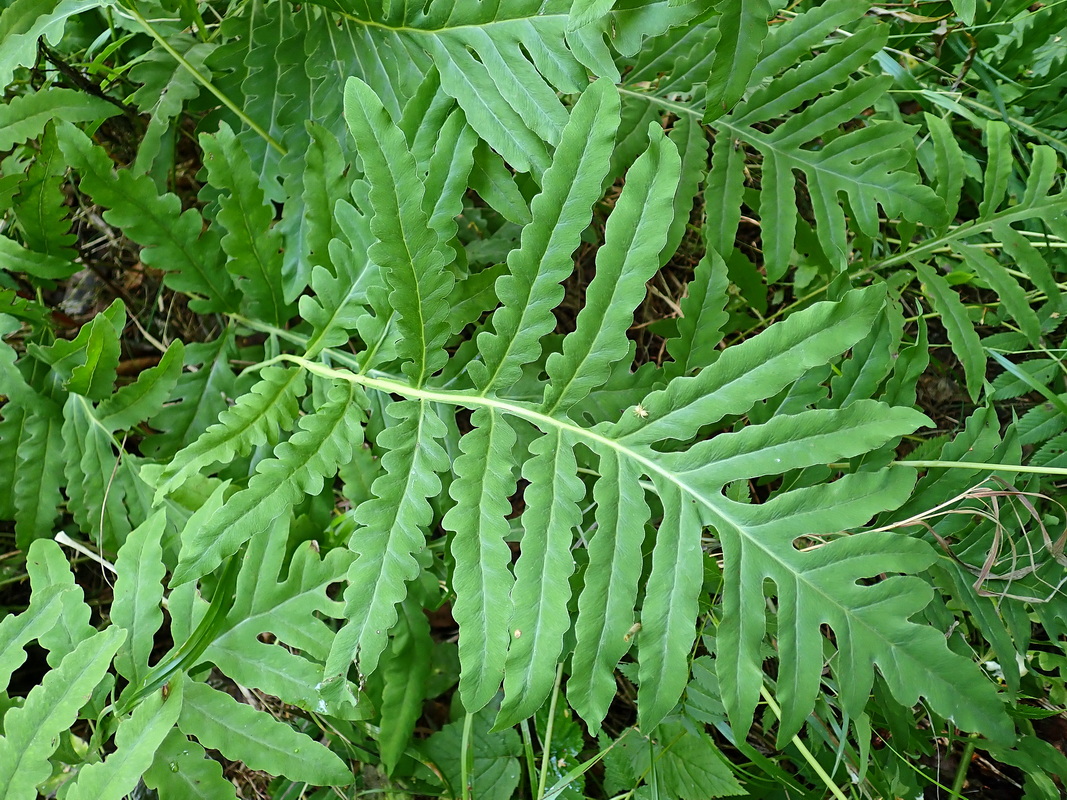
x,y
392,201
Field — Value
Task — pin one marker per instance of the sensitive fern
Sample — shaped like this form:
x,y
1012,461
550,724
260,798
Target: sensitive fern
x,y
422,260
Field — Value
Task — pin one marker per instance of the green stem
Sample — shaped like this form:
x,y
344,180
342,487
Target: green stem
x,y
465,757
546,745
205,82
531,761
813,762
961,771
194,12
981,465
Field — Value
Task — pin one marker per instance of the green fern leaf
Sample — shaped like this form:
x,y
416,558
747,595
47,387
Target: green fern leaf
x,y
965,342
867,165
407,249
292,608
173,240
142,398
14,417
901,648
47,566
18,630
272,51
197,400
670,606
255,738
1007,288
1028,259
948,164
447,173
998,167
742,27
16,258
96,481
38,473
269,406
700,328
539,598
787,351
251,242
41,211
692,143
165,88
183,769
25,116
389,533
323,440
504,66
31,732
405,670
870,362
636,233
138,595
560,213
495,185
336,307
482,580
24,22
86,364
136,742
605,624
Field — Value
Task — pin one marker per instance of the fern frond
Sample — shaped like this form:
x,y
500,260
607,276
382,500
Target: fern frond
x,y
251,241
389,534
173,240
670,604
408,250
741,29
24,22
291,608
255,738
274,76
40,208
197,776
700,328
18,630
197,400
255,419
690,483
38,472
136,742
560,213
323,440
95,482
604,626
482,580
539,598
504,66
32,730
405,671
25,116
732,384
866,165
142,398
165,88
635,234
138,596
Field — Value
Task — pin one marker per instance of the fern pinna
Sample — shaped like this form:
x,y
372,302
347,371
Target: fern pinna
x,y
398,406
